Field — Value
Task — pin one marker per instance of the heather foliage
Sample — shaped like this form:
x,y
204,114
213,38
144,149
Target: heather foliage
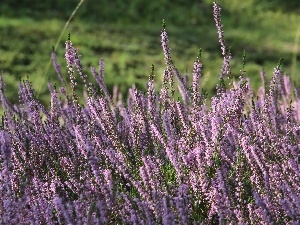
x,y
153,159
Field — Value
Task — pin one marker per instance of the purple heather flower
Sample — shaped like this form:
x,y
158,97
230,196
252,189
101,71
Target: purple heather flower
x,y
217,18
165,46
5,145
57,68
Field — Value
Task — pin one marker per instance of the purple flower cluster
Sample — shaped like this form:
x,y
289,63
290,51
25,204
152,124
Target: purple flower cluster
x,y
152,159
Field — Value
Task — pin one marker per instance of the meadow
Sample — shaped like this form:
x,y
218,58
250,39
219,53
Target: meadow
x,y
126,36
166,153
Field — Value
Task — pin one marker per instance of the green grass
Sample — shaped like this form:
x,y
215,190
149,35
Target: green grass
x,y
129,49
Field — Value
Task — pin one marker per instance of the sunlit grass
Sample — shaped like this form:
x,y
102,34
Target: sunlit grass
x,y
129,50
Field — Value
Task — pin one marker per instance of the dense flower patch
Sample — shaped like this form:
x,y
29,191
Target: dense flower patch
x,y
152,159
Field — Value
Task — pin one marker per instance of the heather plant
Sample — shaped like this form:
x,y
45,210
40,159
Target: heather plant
x,y
153,158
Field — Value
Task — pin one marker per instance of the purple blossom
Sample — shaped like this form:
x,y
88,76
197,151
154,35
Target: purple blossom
x,y
152,159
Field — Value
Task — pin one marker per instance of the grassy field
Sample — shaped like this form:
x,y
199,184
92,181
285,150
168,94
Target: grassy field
x,y
130,42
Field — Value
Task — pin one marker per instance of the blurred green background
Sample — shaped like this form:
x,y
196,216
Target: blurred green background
x,y
127,35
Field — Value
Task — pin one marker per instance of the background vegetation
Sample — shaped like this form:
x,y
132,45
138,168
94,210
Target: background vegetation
x,y
127,35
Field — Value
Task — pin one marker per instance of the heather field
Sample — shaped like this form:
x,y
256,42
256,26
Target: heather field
x,y
168,153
